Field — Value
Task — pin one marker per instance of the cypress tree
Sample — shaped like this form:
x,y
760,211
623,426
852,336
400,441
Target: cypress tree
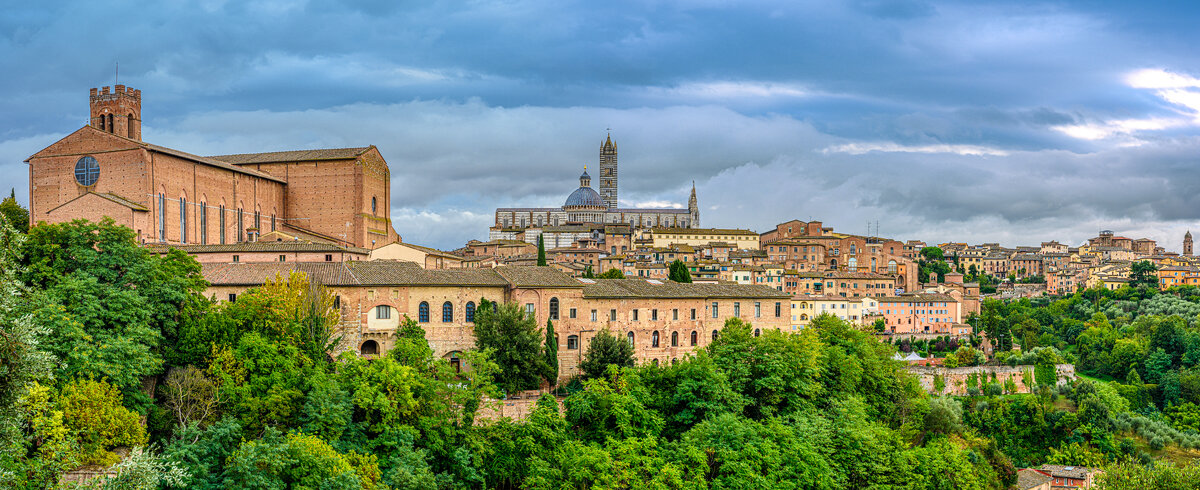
x,y
551,353
541,251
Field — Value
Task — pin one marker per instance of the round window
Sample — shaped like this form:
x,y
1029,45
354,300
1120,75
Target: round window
x,y
87,171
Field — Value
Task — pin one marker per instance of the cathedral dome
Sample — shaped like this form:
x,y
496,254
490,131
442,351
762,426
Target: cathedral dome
x,y
584,196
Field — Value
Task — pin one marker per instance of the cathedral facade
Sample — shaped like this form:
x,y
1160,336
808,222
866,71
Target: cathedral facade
x,y
586,206
171,197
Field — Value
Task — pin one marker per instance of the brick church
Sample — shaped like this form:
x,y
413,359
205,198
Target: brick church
x,y
167,196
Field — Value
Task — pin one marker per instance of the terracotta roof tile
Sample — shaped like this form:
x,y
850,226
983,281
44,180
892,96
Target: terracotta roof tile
x,y
293,156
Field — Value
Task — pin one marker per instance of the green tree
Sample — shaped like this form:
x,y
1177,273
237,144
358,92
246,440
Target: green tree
x,y
944,416
932,253
22,359
93,414
15,214
541,258
678,272
550,349
110,305
260,381
513,338
410,347
605,349
294,461
612,274
1143,274
588,273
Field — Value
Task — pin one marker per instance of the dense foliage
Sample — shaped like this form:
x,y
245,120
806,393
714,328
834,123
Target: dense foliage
x,y
678,272
123,359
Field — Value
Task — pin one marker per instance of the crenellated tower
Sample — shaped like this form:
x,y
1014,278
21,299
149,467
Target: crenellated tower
x,y
608,172
118,112
1187,244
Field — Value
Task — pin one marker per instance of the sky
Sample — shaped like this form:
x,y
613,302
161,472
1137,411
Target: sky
x,y
1010,122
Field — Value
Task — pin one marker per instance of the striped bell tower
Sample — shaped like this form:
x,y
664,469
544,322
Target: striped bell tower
x,y
608,173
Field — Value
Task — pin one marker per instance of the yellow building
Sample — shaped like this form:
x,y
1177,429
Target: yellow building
x,y
665,237
853,310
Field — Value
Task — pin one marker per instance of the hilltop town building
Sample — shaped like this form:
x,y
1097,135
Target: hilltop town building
x,y
586,207
167,196
664,321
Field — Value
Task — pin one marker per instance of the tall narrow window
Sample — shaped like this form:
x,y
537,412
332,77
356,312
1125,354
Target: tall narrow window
x,y
553,308
258,222
654,339
272,222
447,312
241,228
757,309
470,311
674,339
423,312
203,224
221,222
714,335
737,309
630,337
695,337
714,310
373,208
162,217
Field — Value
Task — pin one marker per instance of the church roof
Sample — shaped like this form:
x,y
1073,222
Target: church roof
x,y
293,156
49,151
584,196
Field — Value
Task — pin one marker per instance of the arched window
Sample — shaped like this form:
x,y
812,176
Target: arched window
x,y
757,332
447,312
129,122
674,339
203,223
630,337
369,348
714,335
654,339
221,222
272,222
183,219
373,207
258,221
803,316
553,308
695,337
572,342
891,267
111,127
162,217
423,312
470,311
103,126
241,227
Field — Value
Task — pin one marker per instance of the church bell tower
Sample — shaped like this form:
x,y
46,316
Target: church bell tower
x,y
118,112
608,173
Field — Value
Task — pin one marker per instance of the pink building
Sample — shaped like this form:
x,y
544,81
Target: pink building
x,y
921,313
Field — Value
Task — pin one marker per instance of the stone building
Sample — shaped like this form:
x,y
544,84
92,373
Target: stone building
x,y
585,206
104,169
664,320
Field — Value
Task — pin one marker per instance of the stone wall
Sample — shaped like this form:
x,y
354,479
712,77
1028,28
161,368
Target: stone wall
x,y
956,378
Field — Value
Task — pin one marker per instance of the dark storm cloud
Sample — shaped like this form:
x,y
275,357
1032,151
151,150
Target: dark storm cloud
x,y
942,119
